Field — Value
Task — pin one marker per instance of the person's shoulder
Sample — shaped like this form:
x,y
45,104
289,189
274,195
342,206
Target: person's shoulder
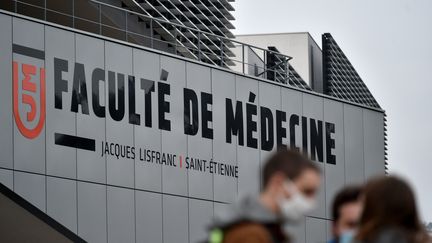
x,y
247,232
391,235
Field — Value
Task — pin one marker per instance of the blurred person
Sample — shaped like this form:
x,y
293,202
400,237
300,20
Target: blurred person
x,y
346,210
390,213
290,184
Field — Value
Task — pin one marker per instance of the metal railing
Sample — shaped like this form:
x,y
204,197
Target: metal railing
x,y
164,35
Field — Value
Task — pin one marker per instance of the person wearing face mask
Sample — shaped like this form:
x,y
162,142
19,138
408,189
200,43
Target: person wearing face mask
x,y
290,185
346,212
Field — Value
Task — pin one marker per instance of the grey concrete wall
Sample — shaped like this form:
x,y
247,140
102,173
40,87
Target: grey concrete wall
x,y
108,199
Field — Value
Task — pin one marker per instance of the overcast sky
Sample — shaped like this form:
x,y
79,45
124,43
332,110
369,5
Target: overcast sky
x,y
389,42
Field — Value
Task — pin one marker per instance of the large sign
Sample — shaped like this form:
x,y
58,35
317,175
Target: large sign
x,y
120,143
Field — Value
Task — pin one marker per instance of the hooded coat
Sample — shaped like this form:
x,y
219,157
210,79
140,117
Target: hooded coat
x,y
247,221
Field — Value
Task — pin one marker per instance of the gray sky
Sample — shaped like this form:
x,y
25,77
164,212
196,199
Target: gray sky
x,y
389,42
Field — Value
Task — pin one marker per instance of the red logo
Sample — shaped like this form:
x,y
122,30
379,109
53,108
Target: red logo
x,y
28,96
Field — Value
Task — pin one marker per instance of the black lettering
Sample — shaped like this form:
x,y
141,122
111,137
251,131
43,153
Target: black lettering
x,y
117,114
294,121
97,76
60,85
133,117
251,125
267,129
330,143
304,135
234,122
79,90
316,140
190,120
280,129
164,106
148,87
206,115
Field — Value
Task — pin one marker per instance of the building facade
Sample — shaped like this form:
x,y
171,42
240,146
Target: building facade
x,y
121,141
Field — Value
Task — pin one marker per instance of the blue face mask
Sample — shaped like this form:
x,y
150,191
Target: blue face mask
x,y
347,237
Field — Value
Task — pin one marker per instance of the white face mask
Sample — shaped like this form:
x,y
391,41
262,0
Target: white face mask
x,y
296,206
347,236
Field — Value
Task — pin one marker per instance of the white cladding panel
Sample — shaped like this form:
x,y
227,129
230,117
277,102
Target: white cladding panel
x,y
248,158
373,144
6,178
92,212
313,108
60,160
146,66
354,144
224,87
118,59
62,201
91,166
316,230
29,154
171,185
335,173
6,117
200,184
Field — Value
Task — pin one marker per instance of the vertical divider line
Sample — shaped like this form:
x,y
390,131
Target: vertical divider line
x,y
12,115
212,143
343,139
133,135
363,137
161,149
45,131
237,140
76,150
324,165
187,171
106,163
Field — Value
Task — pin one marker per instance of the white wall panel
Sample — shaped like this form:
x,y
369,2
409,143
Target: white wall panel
x,y
269,97
200,216
120,215
6,178
91,166
6,117
120,171
147,175
174,179
223,87
199,147
297,232
175,219
62,201
292,104
32,188
29,154
148,212
60,160
313,108
353,132
334,173
92,212
315,230
373,143
248,158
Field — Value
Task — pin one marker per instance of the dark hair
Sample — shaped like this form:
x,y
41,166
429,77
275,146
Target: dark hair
x,y
389,203
346,195
289,162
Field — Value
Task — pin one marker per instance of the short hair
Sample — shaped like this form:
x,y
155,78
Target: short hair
x,y
346,195
289,162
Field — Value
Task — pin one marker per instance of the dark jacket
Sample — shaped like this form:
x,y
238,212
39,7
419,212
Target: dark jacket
x,y
247,221
388,235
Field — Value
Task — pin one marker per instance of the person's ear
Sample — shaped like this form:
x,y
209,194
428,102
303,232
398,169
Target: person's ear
x,y
277,181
